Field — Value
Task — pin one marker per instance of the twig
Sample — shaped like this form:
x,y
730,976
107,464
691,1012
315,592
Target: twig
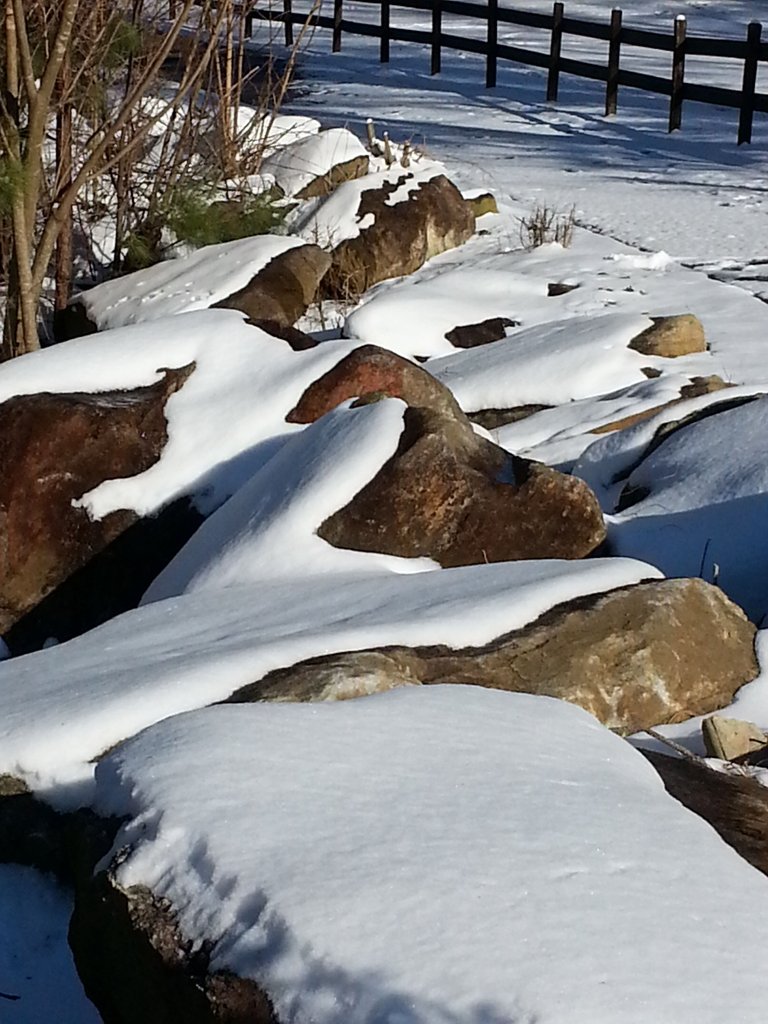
x,y
682,751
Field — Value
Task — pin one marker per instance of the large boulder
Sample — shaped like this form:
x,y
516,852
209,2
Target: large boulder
x,y
457,498
403,223
267,277
370,370
53,449
284,289
635,657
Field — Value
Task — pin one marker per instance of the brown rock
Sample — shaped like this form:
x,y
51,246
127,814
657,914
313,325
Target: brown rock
x,y
371,370
671,336
402,237
634,657
323,185
555,288
54,449
455,497
137,966
736,806
472,335
283,290
492,419
298,340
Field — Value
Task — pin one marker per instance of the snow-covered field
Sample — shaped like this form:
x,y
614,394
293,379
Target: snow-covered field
x,y
442,855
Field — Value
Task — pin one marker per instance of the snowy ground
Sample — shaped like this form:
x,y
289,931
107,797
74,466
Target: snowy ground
x,y
38,983
694,194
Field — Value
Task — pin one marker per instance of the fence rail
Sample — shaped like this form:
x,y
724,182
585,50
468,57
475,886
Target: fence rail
x,y
751,51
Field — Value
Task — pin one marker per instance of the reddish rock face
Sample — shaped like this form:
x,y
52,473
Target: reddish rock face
x,y
371,370
461,500
54,449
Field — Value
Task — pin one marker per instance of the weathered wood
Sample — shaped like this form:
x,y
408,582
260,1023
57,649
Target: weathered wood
x,y
614,56
678,74
492,41
337,15
749,82
555,48
384,44
437,28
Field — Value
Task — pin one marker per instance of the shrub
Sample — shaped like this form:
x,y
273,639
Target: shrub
x,y
547,224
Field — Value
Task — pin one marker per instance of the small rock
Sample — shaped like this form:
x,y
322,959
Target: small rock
x,y
482,204
671,336
560,288
472,335
730,738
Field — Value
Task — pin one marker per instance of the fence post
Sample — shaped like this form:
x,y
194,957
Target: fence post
x,y
437,28
336,25
555,46
678,74
614,52
749,82
288,21
491,44
384,46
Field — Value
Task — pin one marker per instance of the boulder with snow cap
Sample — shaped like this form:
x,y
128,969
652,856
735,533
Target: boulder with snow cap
x,y
267,277
370,370
634,657
462,500
404,221
53,449
316,165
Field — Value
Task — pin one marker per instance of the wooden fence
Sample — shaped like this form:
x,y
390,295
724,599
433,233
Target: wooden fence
x,y
750,51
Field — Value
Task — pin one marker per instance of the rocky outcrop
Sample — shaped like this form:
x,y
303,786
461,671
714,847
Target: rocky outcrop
x,y
370,370
482,204
453,496
635,657
283,291
399,237
671,336
53,449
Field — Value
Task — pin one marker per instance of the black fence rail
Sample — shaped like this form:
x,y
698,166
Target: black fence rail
x,y
750,51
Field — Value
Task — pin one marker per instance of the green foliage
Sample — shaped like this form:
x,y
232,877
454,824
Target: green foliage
x,y
195,220
125,41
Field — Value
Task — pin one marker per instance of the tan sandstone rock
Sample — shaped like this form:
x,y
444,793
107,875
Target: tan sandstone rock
x,y
634,657
671,336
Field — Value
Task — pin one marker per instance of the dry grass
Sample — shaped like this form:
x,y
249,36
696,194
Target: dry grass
x,y
547,224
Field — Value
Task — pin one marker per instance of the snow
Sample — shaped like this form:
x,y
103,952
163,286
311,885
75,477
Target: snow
x,y
552,363
267,529
196,281
35,961
435,855
297,165
63,707
704,512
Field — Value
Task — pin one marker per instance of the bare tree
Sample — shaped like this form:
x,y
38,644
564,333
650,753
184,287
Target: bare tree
x,y
85,73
